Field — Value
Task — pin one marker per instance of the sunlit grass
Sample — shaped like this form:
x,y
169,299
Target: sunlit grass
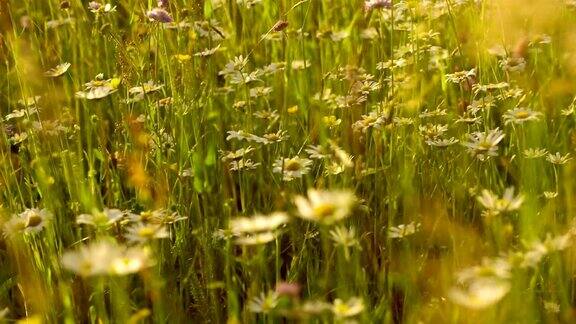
x,y
239,161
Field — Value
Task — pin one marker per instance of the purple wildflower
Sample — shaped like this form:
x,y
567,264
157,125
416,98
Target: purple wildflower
x,y
159,15
94,6
377,4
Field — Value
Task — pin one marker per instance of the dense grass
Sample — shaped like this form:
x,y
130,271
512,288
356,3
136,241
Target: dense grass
x,y
287,161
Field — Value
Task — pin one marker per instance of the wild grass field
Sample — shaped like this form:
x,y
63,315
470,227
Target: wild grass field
x,y
286,161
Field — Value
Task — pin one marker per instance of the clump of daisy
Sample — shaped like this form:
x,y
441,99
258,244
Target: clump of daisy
x,y
550,194
106,258
243,165
141,233
479,293
484,145
265,303
471,115
258,229
236,155
131,260
442,142
57,71
432,113
432,131
551,307
138,92
157,216
489,88
29,102
495,205
373,120
345,238
235,72
99,88
403,121
318,152
534,153
461,76
520,116
350,308
513,64
403,230
240,135
237,160
104,218
325,207
207,52
498,267
291,168
32,220
482,286
538,250
271,138
337,160
257,92
21,113
558,158
314,307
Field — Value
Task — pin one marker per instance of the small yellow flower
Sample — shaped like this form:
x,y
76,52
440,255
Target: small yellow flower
x,y
292,110
331,121
181,58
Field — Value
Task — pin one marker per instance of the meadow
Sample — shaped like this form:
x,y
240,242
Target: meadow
x,y
287,161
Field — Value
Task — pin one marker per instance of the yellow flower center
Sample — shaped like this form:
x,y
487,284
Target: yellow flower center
x,y
484,146
86,267
145,217
522,114
323,210
272,137
34,220
292,165
341,309
502,204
